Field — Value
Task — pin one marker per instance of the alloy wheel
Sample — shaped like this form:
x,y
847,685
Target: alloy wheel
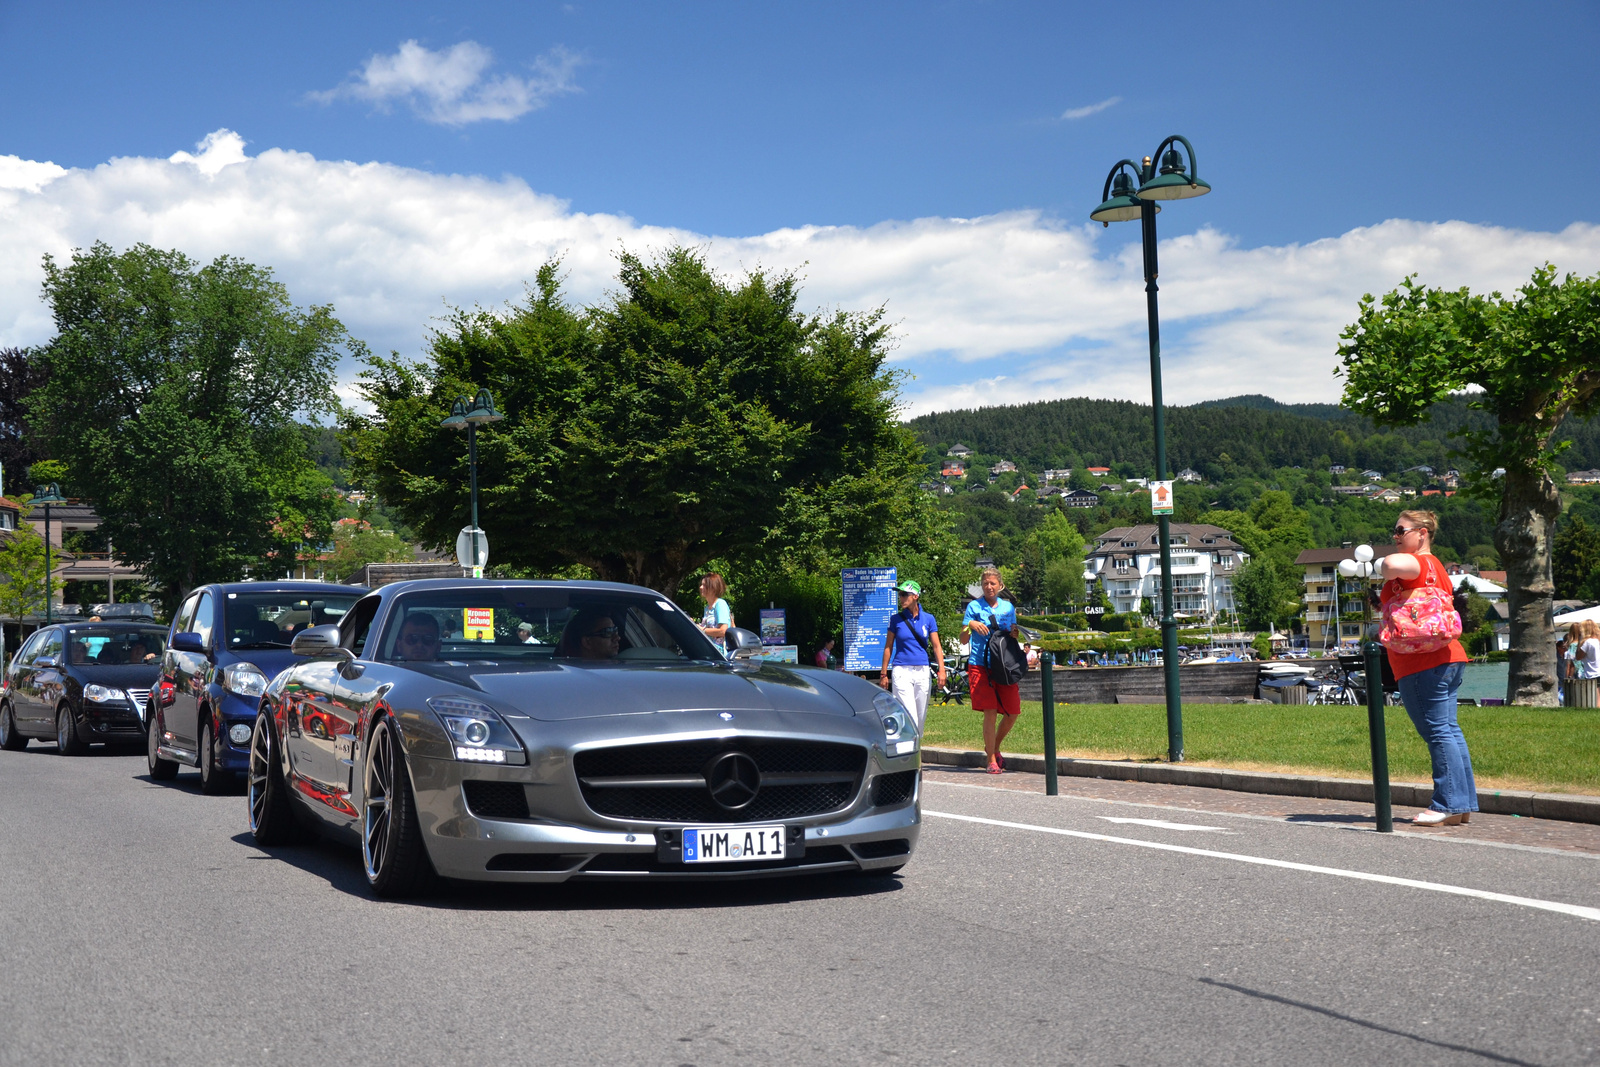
x,y
260,768
375,805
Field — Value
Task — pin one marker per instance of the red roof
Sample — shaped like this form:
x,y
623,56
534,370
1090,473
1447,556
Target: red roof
x,y
6,502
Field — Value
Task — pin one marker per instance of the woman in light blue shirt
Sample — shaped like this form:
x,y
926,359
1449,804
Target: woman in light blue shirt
x,y
717,617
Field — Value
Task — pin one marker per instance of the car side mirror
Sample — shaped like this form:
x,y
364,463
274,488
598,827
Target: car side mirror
x,y
188,641
320,642
47,661
743,644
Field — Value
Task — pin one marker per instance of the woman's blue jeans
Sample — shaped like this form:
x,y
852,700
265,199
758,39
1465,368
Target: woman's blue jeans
x,y
1430,699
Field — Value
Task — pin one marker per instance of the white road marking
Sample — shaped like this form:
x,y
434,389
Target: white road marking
x,y
1162,824
1576,910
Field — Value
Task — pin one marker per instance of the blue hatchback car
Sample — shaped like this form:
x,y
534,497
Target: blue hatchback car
x,y
226,643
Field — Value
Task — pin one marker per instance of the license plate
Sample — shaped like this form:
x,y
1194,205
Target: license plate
x,y
728,844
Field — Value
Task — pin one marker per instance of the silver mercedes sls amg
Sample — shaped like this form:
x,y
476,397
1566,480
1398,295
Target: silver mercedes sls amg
x,y
544,731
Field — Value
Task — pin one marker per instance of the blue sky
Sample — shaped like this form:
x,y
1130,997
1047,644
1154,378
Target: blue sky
x,y
739,121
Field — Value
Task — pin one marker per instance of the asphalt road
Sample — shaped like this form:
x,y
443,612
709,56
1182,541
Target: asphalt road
x,y
139,925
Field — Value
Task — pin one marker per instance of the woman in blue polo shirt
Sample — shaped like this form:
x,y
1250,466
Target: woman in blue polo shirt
x,y
912,637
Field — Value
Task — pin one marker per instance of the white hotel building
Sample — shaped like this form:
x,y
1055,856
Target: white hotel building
x,y
1126,561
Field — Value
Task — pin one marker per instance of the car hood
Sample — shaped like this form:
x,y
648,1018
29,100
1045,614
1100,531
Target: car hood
x,y
572,691
271,660
122,676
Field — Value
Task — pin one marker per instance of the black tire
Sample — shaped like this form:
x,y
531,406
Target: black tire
x,y
272,818
10,739
68,743
214,781
392,850
162,770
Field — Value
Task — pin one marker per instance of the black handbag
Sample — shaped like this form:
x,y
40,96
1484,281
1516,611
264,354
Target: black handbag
x,y
1007,663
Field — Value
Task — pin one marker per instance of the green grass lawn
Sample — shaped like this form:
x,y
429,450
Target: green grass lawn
x,y
1539,749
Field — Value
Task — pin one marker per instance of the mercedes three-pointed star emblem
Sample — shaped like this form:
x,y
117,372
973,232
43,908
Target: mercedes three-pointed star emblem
x,y
734,779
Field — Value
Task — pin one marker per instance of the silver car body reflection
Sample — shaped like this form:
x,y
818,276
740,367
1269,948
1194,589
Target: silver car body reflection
x,y
618,755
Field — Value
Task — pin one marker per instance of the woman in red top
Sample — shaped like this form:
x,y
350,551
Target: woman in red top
x,y
1429,680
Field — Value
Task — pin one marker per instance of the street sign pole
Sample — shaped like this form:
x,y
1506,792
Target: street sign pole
x,y
1047,685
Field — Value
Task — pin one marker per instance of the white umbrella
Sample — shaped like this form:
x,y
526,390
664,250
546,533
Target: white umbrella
x,y
1581,615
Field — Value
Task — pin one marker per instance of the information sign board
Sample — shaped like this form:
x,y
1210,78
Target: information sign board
x,y
869,600
1161,498
773,628
781,654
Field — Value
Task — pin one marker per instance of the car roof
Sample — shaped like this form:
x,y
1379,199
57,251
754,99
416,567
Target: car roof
x,y
419,584
290,585
115,624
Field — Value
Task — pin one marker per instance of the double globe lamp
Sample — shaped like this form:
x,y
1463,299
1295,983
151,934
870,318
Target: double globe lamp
x,y
1175,179
472,544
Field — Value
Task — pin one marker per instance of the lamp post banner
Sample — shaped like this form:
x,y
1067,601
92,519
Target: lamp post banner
x,y
1161,498
869,600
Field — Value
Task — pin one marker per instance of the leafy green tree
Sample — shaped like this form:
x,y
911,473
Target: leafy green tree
x,y
1536,358
1576,560
170,391
22,573
357,543
1063,583
20,374
685,420
1266,593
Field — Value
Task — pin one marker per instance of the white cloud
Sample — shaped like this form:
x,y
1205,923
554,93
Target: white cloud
x,y
453,86
1005,308
1092,109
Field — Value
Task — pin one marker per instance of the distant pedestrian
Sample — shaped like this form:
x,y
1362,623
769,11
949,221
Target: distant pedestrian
x,y
1583,648
717,618
986,618
1417,614
910,647
825,654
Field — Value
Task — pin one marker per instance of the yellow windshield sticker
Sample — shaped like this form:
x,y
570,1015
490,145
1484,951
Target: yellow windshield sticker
x,y
477,624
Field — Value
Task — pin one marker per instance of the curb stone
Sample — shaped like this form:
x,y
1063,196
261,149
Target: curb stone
x,y
1567,807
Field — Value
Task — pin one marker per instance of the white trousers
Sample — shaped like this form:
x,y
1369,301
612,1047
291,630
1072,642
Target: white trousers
x,y
911,685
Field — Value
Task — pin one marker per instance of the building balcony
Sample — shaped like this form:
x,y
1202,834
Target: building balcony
x,y
1318,598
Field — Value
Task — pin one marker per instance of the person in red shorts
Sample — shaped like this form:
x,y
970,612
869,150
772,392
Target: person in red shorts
x,y
985,616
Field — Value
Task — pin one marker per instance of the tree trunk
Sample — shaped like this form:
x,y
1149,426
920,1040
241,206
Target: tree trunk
x,y
1528,509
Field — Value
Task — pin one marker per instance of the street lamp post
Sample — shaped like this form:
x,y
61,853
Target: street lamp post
x,y
1121,202
469,415
47,495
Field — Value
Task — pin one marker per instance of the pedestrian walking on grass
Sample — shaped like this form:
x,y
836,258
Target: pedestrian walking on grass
x,y
987,619
1420,627
717,618
912,638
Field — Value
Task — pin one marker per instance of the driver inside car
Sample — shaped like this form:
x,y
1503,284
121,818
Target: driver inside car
x,y
419,638
593,634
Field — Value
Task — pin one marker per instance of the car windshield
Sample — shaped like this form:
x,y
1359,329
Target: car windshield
x,y
488,623
94,647
270,620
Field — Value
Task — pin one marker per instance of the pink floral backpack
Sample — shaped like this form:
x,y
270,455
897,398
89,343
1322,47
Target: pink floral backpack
x,y
1422,619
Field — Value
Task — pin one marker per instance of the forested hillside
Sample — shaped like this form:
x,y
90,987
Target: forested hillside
x,y
1218,437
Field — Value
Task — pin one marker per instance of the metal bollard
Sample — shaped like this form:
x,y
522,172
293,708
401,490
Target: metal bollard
x,y
1047,686
1380,743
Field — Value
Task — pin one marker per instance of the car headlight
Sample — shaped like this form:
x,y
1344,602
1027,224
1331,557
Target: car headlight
x,y
244,679
100,694
476,732
899,728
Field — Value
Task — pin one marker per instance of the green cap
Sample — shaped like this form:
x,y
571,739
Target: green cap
x,y
908,586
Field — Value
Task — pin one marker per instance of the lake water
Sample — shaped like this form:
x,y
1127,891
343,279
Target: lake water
x,y
1479,680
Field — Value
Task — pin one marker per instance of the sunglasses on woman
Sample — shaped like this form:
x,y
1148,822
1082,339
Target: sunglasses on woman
x,y
1401,531
605,632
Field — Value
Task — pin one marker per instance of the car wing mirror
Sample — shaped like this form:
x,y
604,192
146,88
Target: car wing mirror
x,y
320,642
47,661
188,641
743,644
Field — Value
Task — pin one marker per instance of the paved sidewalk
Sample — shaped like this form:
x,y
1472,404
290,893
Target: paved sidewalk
x,y
1512,830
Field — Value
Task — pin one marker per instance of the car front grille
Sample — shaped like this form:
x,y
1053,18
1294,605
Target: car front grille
x,y
891,789
496,800
648,863
666,782
140,698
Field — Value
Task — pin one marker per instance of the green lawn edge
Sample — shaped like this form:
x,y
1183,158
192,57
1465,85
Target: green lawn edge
x,y
1554,750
